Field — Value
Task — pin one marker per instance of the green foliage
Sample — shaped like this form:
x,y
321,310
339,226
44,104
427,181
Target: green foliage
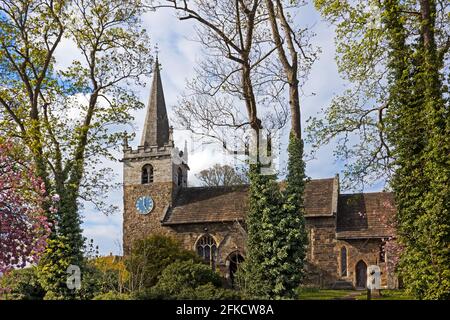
x,y
112,295
67,117
419,129
277,238
257,275
292,238
189,280
397,69
112,273
22,284
52,270
186,274
150,256
275,244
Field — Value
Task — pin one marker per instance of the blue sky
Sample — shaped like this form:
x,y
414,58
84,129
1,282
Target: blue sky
x,y
178,56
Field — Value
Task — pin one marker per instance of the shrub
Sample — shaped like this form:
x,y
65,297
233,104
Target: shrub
x,y
188,280
203,292
149,257
208,292
187,274
22,284
113,274
112,295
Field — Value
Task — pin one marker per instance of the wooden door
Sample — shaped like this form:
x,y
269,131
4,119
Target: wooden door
x,y
361,274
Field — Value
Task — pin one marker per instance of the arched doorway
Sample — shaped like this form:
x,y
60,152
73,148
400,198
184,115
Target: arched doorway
x,y
361,274
234,260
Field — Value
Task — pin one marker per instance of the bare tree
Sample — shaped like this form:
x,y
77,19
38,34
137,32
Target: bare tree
x,y
241,39
222,175
289,45
237,40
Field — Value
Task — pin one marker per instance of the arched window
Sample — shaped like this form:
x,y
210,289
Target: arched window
x,y
343,261
147,174
180,176
207,248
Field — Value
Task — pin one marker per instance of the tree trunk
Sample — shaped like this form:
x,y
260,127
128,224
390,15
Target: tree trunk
x,y
290,68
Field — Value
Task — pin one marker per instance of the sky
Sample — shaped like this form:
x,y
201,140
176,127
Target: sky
x,y
178,56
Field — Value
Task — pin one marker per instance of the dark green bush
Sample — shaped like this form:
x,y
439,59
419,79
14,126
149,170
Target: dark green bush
x,y
22,284
150,256
188,280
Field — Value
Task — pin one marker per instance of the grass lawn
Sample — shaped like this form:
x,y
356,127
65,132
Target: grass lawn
x,y
321,294
325,294
387,295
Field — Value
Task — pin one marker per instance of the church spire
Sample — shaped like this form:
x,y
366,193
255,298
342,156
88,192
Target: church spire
x,y
156,126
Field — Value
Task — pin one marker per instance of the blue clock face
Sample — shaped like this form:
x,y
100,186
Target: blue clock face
x,y
144,204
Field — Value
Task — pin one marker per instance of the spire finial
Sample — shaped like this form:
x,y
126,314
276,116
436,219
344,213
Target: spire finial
x,y
157,64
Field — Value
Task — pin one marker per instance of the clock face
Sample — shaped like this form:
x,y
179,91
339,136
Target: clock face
x,y
144,204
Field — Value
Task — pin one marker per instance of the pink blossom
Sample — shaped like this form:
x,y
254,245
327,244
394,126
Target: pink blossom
x,y
23,226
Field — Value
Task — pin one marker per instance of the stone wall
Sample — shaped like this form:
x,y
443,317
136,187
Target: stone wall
x,y
162,170
324,256
138,226
321,266
229,237
367,250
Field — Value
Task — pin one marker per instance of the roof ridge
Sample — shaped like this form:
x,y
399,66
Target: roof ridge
x,y
217,187
372,192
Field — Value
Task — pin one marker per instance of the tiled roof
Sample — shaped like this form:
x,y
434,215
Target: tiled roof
x,y
209,204
319,197
362,215
216,204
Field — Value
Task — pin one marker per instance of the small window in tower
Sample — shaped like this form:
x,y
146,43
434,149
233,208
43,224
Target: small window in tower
x,y
147,174
180,176
343,262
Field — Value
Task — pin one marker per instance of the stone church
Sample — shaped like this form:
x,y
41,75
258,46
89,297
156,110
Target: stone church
x,y
345,232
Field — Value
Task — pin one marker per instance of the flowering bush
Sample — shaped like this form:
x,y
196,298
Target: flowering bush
x,y
24,229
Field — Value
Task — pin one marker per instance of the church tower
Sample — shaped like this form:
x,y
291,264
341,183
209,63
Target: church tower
x,y
153,173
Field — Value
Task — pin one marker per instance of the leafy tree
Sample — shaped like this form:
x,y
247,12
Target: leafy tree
x,y
399,105
292,239
24,229
150,256
219,175
419,129
65,116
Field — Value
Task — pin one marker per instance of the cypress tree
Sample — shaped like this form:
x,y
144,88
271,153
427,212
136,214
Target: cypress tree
x,y
257,274
276,231
419,131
